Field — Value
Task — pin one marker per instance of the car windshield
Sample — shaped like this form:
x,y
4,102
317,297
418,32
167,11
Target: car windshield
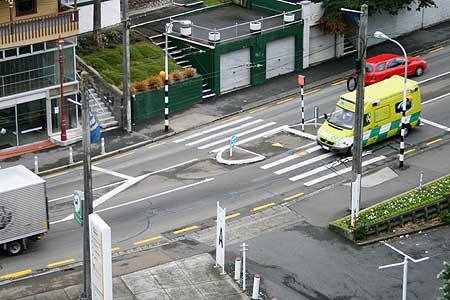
x,y
342,117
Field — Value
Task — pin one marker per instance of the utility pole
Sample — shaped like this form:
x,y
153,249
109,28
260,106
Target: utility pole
x,y
359,115
87,172
126,62
97,22
61,89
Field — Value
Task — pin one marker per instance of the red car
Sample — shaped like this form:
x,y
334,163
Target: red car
x,y
386,65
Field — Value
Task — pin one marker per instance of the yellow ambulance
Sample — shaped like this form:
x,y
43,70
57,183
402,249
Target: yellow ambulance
x,y
382,115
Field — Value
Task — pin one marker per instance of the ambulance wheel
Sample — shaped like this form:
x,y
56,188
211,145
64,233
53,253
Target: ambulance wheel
x,y
407,129
419,71
13,248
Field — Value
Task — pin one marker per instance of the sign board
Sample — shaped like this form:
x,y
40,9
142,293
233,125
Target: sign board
x,y
78,203
301,80
220,237
232,144
101,261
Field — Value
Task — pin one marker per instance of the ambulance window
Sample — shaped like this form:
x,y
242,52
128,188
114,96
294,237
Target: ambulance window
x,y
366,120
381,114
399,106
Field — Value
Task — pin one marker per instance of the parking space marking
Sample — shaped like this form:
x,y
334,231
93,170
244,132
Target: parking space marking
x,y
339,82
16,274
152,239
285,100
434,141
263,206
258,109
436,50
410,150
232,216
115,249
60,263
186,229
293,196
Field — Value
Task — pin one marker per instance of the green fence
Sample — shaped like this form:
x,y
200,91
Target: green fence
x,y
150,104
271,6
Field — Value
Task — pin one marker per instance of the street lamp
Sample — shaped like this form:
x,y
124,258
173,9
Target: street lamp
x,y
166,69
380,35
61,89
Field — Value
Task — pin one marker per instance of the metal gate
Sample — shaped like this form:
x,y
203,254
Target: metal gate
x,y
234,70
280,57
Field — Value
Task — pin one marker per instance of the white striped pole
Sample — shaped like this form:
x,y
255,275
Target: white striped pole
x,y
301,82
166,79
316,116
402,138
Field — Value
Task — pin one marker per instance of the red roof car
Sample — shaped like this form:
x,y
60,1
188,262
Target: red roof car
x,y
386,65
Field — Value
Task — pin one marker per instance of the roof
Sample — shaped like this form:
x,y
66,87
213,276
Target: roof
x,y
382,89
380,58
17,177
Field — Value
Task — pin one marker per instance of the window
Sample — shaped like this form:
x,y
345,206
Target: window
x,y
381,113
399,106
366,120
380,67
25,7
369,68
395,63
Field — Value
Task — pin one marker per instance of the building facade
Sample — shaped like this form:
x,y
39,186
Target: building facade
x,y
30,94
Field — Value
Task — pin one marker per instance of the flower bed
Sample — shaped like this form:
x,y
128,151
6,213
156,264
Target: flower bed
x,y
396,210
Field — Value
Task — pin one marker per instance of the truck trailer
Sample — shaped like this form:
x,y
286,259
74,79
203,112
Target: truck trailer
x,y
23,208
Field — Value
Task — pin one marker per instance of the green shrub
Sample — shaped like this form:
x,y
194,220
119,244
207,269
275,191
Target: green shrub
x,y
445,216
361,229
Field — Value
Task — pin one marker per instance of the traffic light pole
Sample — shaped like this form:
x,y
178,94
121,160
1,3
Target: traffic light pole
x,y
87,207
359,115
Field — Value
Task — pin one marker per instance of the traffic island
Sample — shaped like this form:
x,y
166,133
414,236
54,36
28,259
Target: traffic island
x,y
413,211
239,156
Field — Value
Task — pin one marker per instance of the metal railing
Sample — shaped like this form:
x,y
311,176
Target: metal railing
x,y
61,24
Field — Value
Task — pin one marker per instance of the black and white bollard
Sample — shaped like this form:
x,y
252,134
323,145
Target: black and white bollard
x,y
237,269
420,180
316,116
256,281
36,165
102,151
244,249
70,155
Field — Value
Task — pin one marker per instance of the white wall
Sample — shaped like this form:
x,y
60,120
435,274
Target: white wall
x,y
110,15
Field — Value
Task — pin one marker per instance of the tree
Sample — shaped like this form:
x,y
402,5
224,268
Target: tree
x,y
334,20
98,23
445,275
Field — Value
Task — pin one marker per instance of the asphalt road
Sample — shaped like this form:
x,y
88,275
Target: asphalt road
x,y
184,182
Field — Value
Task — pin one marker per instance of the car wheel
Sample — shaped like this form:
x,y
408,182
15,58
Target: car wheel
x,y
13,248
407,130
419,71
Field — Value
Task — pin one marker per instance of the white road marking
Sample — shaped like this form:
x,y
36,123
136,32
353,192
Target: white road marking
x,y
306,146
224,132
435,99
301,133
96,189
289,158
304,163
113,173
343,171
434,77
313,149
321,169
237,135
211,130
435,124
263,134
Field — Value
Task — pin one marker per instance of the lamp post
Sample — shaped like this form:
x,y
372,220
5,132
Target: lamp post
x,y
168,30
380,35
61,89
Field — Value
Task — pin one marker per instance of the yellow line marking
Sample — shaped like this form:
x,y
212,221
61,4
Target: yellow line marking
x,y
56,174
436,50
410,150
435,141
277,145
232,216
115,249
263,206
147,240
17,274
153,146
311,92
186,229
285,100
124,154
258,109
338,82
230,119
60,263
293,196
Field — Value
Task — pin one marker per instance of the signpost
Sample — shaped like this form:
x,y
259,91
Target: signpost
x,y
78,203
101,261
232,144
220,237
301,83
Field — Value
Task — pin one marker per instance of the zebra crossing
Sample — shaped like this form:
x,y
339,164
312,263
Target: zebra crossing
x,y
315,165
217,138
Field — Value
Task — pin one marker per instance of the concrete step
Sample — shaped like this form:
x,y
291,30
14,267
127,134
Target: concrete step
x,y
208,95
205,91
103,114
108,124
182,62
105,119
175,52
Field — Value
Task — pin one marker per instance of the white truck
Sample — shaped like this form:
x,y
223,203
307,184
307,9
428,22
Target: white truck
x,y
23,208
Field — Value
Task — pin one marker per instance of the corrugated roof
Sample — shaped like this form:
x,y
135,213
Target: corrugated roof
x,y
17,177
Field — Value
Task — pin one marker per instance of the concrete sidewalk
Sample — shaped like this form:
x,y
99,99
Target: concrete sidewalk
x,y
331,71
190,278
